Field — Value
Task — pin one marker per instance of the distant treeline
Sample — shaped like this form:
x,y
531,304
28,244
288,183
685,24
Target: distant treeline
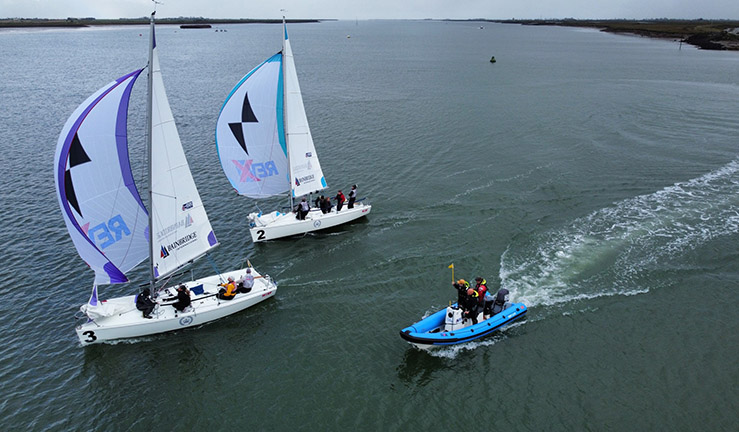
x,y
86,22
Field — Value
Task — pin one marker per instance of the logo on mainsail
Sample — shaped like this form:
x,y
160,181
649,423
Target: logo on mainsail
x,y
304,179
182,241
247,116
163,253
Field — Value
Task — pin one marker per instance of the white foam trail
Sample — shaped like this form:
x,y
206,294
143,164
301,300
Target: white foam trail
x,y
611,251
452,351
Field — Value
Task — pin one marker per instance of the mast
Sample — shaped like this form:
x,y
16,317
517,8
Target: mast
x,y
284,114
149,103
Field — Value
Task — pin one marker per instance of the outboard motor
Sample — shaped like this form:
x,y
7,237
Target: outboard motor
x,y
500,301
453,319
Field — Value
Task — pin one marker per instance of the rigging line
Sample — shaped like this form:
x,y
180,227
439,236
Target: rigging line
x,y
213,263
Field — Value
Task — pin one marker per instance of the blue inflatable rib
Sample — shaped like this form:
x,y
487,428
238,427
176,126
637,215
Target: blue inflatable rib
x,y
446,327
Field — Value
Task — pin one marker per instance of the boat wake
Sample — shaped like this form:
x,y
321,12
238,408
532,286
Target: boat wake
x,y
451,351
621,249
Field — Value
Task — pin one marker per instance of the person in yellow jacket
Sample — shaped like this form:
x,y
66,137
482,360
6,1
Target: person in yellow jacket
x,y
228,292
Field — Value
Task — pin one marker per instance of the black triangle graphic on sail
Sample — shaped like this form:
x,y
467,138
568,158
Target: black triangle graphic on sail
x,y
247,116
238,134
69,192
77,156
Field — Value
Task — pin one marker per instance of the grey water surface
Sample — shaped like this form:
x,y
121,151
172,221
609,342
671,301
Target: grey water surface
x,y
595,176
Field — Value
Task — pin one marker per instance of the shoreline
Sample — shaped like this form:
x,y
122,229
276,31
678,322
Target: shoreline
x,y
92,22
721,35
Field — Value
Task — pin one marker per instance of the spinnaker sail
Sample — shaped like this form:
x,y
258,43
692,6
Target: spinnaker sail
x,y
262,134
101,206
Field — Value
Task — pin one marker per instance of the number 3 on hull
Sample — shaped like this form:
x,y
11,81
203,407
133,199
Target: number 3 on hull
x,y
94,181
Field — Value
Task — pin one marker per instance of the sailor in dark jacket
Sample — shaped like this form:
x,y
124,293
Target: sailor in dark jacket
x,y
461,286
471,305
144,303
183,298
325,205
352,196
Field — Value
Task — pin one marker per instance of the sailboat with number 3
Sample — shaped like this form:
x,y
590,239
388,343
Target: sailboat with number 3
x,y
113,231
266,149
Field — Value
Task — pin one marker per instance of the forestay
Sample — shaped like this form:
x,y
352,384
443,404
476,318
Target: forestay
x,y
181,230
97,195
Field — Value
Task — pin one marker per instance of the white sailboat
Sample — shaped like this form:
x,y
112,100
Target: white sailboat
x,y
266,148
111,228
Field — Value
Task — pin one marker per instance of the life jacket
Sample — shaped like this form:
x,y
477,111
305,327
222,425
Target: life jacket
x,y
481,289
230,289
471,301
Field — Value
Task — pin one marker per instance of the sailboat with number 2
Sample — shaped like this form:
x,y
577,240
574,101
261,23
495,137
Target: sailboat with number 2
x,y
266,148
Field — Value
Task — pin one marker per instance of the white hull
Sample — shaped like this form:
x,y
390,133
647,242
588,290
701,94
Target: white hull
x,y
276,225
206,307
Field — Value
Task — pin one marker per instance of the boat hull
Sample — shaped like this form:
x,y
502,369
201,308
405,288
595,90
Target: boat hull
x,y
205,307
429,332
277,225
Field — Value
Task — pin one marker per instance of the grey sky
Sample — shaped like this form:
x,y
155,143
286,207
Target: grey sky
x,y
376,9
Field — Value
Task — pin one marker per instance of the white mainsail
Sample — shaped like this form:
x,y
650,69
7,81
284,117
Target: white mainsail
x,y
305,170
181,231
249,133
104,214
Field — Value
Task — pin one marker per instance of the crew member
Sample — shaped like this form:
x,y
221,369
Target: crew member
x,y
302,209
340,198
352,197
461,286
144,303
183,298
471,305
481,286
326,205
228,292
245,282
